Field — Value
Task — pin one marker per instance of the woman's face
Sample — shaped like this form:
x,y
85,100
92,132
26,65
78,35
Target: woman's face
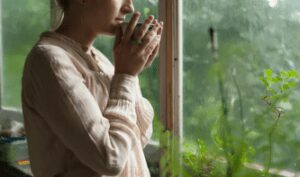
x,y
104,16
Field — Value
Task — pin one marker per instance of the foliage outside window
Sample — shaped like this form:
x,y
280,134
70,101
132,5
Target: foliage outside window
x,y
252,36
22,22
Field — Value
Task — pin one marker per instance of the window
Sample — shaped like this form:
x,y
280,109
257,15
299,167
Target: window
x,y
21,22
252,36
185,92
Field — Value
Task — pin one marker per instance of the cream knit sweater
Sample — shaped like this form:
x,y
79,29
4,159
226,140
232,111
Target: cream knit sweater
x,y
81,119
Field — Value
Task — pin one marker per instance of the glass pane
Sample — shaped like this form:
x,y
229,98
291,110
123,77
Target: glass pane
x,y
22,22
252,37
149,79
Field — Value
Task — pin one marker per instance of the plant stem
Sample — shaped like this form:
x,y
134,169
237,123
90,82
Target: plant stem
x,y
240,104
226,131
271,133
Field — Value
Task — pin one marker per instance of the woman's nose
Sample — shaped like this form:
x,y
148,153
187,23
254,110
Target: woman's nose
x,y
128,7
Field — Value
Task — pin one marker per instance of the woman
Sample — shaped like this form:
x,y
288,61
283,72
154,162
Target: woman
x,y
83,116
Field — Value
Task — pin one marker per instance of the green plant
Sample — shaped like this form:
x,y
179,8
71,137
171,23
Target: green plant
x,y
170,160
234,150
233,146
190,162
199,161
278,89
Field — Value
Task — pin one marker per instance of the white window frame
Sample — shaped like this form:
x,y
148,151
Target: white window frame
x,y
170,65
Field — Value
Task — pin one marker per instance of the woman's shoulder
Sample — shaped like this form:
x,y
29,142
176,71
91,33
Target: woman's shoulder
x,y
49,44
46,49
44,53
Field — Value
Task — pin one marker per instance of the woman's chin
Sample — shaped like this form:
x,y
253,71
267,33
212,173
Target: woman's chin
x,y
114,30
111,31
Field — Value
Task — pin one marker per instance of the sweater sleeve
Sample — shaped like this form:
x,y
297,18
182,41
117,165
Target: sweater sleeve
x,y
143,109
145,114
101,140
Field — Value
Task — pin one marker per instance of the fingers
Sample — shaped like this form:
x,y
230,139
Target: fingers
x,y
149,50
131,26
159,32
150,36
153,48
155,40
144,28
152,57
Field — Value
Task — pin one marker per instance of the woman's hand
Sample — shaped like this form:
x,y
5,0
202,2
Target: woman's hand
x,y
132,57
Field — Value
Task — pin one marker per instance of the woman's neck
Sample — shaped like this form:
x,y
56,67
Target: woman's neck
x,y
77,31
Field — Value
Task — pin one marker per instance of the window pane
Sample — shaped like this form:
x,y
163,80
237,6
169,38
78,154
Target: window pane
x,y
252,36
149,79
22,22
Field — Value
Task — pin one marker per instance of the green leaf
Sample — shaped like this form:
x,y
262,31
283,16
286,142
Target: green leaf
x,y
264,81
272,91
292,84
268,73
284,74
293,73
285,86
276,79
275,97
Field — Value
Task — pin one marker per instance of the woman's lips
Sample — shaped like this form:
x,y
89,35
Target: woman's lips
x,y
120,19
